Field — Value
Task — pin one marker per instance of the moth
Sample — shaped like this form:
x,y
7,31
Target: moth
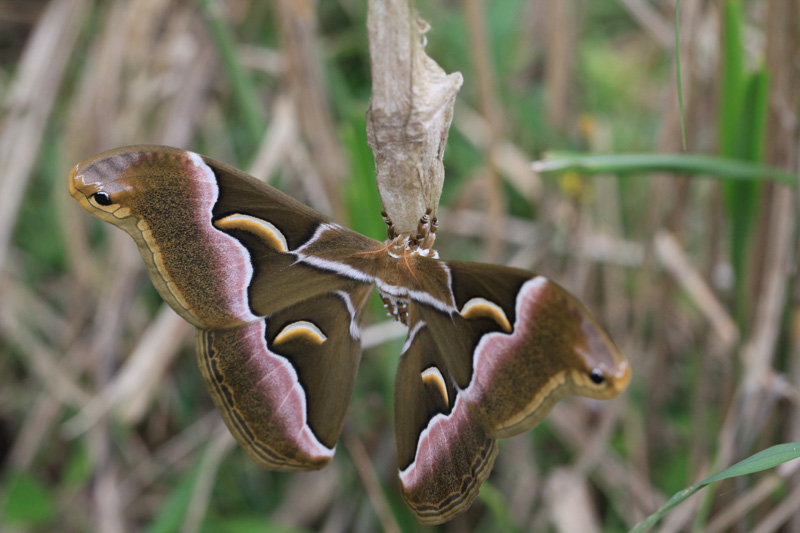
x,y
277,293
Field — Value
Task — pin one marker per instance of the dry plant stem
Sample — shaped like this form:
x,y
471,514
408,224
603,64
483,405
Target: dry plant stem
x,y
221,443
104,349
491,111
522,481
598,247
793,429
313,184
133,386
168,457
409,114
677,263
779,256
184,112
655,299
559,74
511,160
39,422
371,482
282,133
613,474
45,363
753,396
783,42
376,334
308,497
608,220
759,352
304,75
29,102
106,493
780,514
597,439
650,19
569,499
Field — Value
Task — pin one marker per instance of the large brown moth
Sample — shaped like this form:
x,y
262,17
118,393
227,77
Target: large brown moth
x,y
277,291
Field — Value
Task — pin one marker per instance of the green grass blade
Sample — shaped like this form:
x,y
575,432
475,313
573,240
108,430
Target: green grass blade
x,y
754,119
731,86
244,93
743,199
701,165
498,506
742,122
769,458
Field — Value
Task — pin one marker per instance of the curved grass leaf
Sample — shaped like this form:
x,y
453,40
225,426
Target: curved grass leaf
x,y
701,165
769,458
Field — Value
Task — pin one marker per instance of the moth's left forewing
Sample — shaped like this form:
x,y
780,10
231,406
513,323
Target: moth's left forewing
x,y
525,343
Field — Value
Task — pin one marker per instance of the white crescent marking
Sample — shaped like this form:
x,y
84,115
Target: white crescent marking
x,y
434,376
303,328
239,221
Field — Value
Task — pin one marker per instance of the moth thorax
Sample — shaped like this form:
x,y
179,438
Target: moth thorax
x,y
405,245
396,305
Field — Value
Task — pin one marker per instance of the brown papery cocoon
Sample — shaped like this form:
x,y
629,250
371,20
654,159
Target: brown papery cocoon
x,y
409,113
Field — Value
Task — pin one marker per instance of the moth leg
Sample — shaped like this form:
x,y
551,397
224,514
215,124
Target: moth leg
x,y
391,232
426,230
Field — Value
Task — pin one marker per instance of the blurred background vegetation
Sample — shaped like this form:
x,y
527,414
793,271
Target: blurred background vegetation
x,y
105,424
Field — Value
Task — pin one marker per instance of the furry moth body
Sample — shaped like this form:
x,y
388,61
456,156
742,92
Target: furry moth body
x,y
277,291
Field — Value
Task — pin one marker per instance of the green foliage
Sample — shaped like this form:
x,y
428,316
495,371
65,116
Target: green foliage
x,y
361,193
245,96
45,252
173,511
498,506
742,120
27,502
78,469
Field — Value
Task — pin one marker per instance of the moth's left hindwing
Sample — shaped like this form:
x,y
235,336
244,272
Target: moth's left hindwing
x,y
283,384
443,453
